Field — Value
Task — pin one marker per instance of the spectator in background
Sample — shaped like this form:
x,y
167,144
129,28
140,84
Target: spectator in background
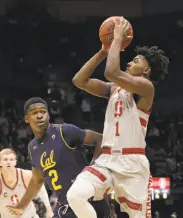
x,y
3,119
157,214
86,109
154,131
22,132
178,151
71,96
173,215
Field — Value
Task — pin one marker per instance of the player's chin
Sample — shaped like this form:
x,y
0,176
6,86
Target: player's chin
x,y
9,167
42,126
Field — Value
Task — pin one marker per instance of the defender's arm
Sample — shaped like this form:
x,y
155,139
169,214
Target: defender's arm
x,y
94,138
33,188
42,193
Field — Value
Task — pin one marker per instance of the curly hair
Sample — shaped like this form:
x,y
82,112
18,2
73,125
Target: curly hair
x,y
33,100
157,61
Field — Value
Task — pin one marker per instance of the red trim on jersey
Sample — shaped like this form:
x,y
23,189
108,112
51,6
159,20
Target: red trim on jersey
x,y
146,112
125,151
132,205
143,122
21,172
12,188
96,173
148,203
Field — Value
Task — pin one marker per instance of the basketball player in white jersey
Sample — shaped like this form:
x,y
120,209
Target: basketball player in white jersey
x,y
122,166
13,185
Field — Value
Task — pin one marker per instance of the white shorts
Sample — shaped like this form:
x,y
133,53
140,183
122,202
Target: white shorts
x,y
128,176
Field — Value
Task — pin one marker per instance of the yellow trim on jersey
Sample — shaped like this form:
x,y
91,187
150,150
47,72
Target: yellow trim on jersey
x,y
64,139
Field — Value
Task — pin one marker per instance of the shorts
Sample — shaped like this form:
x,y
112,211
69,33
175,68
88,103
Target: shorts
x,y
102,209
128,176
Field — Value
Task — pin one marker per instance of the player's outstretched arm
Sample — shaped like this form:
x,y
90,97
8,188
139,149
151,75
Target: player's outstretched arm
x,y
94,138
94,86
27,174
113,72
33,188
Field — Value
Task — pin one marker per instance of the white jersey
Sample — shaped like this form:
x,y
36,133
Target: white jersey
x,y
12,195
125,125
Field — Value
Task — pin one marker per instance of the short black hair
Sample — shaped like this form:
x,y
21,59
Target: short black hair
x,y
33,100
157,61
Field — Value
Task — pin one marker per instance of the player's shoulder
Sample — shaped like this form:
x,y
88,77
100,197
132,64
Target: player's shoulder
x,y
24,172
68,128
31,144
64,126
112,88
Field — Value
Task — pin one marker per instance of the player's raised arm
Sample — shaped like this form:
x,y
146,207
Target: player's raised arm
x,y
33,188
94,86
133,84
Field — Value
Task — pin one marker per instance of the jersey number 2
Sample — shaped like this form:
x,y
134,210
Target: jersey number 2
x,y
54,175
118,113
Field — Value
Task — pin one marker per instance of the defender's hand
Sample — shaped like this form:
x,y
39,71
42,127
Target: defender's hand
x,y
14,210
49,212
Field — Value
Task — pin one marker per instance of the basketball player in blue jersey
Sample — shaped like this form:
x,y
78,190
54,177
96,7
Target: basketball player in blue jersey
x,y
56,158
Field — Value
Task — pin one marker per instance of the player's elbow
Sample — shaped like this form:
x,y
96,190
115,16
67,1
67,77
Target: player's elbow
x,y
37,180
77,82
98,139
110,73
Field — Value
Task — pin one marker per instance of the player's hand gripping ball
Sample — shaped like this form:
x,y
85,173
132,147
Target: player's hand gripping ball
x,y
107,29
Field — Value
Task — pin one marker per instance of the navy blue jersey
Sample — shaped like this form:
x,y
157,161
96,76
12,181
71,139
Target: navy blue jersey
x,y
58,157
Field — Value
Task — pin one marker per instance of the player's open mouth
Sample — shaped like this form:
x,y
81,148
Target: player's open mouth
x,y
40,123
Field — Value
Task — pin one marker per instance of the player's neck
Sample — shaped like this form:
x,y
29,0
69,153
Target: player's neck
x,y
40,135
9,175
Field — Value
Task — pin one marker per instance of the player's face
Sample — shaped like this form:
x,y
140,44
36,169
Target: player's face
x,y
38,117
138,66
8,161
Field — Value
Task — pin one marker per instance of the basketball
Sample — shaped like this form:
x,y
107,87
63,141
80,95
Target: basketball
x,y
106,33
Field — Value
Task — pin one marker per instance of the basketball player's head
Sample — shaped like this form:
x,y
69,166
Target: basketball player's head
x,y
150,63
36,114
8,159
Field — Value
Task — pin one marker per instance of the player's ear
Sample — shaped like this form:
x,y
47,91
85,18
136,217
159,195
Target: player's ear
x,y
147,71
26,119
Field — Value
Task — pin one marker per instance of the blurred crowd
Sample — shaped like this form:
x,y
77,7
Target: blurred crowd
x,y
39,56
